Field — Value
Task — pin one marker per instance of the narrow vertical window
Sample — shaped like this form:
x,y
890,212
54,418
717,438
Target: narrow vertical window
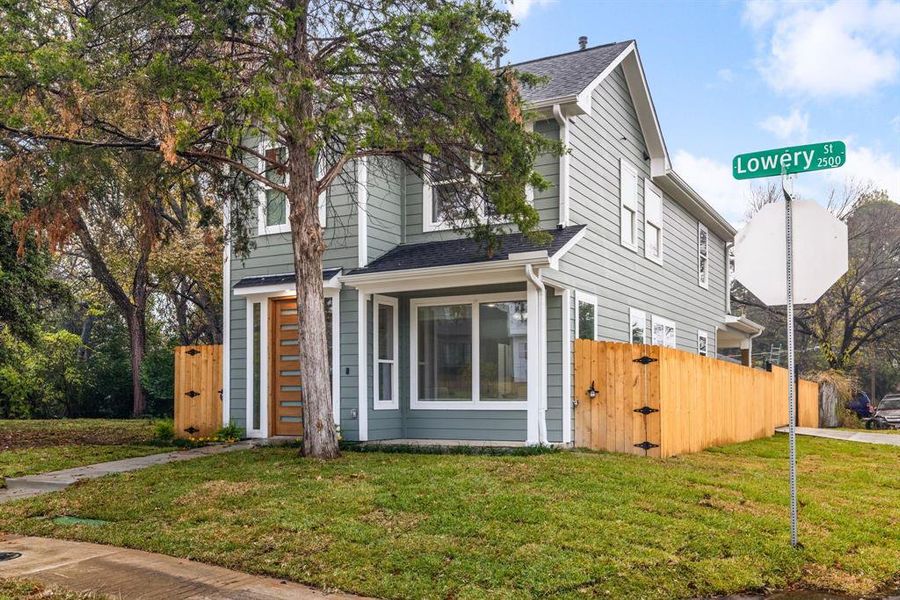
x,y
637,326
503,351
702,343
386,348
702,255
273,205
628,203
256,423
585,316
653,222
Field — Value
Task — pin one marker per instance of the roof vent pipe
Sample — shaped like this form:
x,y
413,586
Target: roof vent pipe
x,y
582,42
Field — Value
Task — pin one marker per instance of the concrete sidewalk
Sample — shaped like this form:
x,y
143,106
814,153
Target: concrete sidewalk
x,y
124,573
35,485
887,439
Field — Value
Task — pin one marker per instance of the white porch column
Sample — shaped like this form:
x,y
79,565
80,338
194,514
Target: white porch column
x,y
566,367
363,369
535,368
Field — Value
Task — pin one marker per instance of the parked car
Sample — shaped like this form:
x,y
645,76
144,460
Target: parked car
x,y
887,414
861,405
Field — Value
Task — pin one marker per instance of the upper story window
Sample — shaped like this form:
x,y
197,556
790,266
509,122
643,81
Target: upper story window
x,y
702,255
653,222
585,316
274,208
664,332
628,203
637,325
272,214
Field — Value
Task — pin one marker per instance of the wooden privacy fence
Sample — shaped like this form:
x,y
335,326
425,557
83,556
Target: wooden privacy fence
x,y
198,390
663,402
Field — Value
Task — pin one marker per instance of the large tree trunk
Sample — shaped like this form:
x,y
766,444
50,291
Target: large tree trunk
x,y
829,403
137,340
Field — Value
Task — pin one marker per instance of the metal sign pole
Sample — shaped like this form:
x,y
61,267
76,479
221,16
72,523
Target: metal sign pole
x,y
792,433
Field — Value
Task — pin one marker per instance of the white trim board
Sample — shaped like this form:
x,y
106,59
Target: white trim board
x,y
394,402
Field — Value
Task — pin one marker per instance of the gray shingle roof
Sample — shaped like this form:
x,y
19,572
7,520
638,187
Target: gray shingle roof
x,y
279,279
462,251
568,74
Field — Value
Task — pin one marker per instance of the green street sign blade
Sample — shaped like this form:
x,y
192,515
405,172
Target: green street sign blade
x,y
795,159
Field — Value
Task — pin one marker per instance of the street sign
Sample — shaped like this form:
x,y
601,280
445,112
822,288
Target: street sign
x,y
794,159
820,253
762,263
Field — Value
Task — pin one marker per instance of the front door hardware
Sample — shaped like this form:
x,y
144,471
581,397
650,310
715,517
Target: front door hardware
x,y
192,394
645,360
192,352
646,446
646,410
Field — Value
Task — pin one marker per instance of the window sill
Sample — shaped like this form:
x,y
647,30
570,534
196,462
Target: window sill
x,y
274,230
385,405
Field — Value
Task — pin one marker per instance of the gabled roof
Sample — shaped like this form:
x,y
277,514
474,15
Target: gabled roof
x,y
571,81
465,251
569,74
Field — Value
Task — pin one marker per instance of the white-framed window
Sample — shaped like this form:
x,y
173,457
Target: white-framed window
x,y
273,210
702,255
469,352
653,222
385,326
438,187
585,316
628,204
637,326
663,332
702,343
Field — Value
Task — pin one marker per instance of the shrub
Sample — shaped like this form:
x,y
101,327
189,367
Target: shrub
x,y
230,433
164,431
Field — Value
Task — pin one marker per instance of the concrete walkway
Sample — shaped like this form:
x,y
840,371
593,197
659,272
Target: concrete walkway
x,y
35,485
887,439
133,574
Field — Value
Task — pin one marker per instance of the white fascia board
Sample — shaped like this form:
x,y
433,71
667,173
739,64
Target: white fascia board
x,y
687,197
643,106
569,104
265,290
482,273
584,97
554,260
743,324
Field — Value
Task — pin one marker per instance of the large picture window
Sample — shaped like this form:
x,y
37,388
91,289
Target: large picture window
x,y
469,352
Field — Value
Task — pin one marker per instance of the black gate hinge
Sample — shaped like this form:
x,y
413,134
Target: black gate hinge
x,y
646,410
192,352
645,360
646,445
191,430
192,394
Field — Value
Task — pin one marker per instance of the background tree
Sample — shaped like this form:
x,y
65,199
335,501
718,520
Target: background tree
x,y
330,81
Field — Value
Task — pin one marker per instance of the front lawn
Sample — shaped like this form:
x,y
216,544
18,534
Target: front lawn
x,y
20,589
33,447
550,525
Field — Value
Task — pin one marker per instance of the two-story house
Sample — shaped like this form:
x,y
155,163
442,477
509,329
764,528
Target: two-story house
x,y
433,340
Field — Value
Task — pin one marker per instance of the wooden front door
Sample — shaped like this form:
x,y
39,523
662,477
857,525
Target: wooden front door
x,y
286,394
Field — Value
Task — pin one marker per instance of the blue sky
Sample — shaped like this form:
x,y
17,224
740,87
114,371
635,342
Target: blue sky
x,y
732,77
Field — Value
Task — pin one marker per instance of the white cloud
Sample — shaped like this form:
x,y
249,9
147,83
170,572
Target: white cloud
x,y
713,180
519,9
795,125
726,75
867,166
844,48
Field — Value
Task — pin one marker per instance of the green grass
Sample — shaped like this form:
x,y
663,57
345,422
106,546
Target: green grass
x,y
33,447
553,525
20,589
864,430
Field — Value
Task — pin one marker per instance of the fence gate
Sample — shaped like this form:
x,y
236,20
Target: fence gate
x,y
617,388
198,390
